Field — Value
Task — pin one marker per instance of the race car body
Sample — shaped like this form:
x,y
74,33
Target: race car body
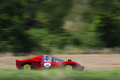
x,y
39,62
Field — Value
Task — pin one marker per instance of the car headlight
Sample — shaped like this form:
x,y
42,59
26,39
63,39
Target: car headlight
x,y
78,65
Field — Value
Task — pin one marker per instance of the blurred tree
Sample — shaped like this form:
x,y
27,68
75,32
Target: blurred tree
x,y
52,14
46,14
78,23
108,15
17,16
48,41
12,36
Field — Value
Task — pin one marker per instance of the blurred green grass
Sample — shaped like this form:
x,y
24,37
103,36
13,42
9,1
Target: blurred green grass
x,y
58,75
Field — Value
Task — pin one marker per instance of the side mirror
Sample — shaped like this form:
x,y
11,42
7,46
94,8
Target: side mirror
x,y
69,60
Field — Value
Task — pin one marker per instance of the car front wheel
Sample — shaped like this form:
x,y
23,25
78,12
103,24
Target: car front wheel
x,y
69,67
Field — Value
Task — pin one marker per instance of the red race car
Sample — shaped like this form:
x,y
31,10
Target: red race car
x,y
45,62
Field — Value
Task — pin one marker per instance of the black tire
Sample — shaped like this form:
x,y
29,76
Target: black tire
x,y
25,65
68,67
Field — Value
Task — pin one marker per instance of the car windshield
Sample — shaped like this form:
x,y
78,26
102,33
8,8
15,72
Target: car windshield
x,y
51,59
56,60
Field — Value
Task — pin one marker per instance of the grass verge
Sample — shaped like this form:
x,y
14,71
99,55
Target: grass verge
x,y
58,75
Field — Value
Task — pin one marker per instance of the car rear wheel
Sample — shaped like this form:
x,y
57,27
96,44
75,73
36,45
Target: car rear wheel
x,y
69,67
27,66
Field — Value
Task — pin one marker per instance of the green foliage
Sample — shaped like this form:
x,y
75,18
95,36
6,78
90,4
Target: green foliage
x,y
28,25
47,41
90,37
96,22
47,14
18,16
106,13
59,75
12,36
85,30
15,40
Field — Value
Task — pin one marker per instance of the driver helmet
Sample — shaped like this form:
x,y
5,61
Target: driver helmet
x,y
45,58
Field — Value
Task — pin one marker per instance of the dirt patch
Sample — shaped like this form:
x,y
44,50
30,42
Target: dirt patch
x,y
90,61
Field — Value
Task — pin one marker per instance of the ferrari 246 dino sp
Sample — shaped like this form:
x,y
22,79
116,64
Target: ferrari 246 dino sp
x,y
45,62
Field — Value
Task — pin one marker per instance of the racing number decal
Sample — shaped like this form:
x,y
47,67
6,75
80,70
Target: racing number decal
x,y
47,65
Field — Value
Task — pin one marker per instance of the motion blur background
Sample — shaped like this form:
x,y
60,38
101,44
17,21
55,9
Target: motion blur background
x,y
58,26
89,30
